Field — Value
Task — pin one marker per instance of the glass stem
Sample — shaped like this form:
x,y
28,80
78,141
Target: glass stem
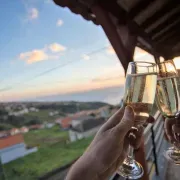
x,y
131,151
177,134
129,159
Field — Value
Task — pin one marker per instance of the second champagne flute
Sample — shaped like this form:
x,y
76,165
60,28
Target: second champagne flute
x,y
168,101
139,93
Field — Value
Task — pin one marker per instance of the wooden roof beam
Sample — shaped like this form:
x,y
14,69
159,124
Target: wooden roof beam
x,y
172,40
166,29
169,21
121,39
167,36
176,46
121,15
170,37
165,9
139,7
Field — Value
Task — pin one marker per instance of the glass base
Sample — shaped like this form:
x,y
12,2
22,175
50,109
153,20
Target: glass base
x,y
173,155
131,169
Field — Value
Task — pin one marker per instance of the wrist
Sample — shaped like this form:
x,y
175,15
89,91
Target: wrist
x,y
84,168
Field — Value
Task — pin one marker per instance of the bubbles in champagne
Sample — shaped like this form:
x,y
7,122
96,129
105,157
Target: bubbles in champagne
x,y
167,95
140,93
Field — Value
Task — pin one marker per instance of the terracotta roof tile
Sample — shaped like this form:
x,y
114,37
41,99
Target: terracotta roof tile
x,y
11,140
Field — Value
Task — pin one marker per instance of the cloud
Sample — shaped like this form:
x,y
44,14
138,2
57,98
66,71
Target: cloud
x,y
177,63
55,47
33,56
43,54
100,79
33,13
85,57
110,50
59,22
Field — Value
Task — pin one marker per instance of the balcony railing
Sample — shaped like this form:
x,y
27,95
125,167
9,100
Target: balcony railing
x,y
154,145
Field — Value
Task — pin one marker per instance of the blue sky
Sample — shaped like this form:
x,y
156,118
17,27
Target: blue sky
x,y
38,36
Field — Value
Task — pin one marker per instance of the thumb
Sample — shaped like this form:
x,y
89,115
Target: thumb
x,y
127,121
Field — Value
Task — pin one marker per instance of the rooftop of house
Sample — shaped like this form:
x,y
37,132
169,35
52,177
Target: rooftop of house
x,y
89,124
4,133
11,140
36,126
66,120
82,117
24,127
14,129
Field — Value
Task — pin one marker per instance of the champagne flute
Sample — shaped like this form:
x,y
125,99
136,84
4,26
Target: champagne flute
x,y
168,100
139,93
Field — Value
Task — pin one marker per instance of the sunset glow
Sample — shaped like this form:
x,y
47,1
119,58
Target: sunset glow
x,y
44,57
177,62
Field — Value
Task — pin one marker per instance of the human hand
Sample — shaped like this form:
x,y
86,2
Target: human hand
x,y
172,130
108,149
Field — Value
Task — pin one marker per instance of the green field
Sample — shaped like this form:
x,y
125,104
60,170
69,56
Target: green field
x,y
46,137
42,115
52,153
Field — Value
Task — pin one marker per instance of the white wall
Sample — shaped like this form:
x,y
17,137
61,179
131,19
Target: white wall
x,y
12,153
49,125
15,152
29,151
105,113
75,123
74,136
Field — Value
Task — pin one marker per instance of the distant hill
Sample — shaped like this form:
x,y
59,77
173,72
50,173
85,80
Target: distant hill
x,y
111,95
70,106
63,108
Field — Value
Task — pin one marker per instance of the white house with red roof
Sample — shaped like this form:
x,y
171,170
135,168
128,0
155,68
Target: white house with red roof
x,y
13,147
4,134
85,127
14,131
36,127
24,129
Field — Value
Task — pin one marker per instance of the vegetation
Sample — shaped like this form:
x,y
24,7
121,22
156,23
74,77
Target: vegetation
x,y
71,107
19,121
5,127
46,137
42,115
54,149
46,159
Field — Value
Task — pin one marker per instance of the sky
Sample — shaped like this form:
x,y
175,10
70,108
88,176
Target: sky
x,y
47,50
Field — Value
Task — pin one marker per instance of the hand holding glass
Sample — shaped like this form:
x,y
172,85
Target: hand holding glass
x,y
168,100
139,93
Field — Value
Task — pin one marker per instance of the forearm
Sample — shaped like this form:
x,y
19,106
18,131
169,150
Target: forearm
x,y
82,169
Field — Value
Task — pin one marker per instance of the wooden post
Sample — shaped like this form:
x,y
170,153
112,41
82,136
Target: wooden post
x,y
156,58
154,151
128,39
120,38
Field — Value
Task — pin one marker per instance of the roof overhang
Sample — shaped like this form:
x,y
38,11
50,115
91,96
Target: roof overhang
x,y
156,23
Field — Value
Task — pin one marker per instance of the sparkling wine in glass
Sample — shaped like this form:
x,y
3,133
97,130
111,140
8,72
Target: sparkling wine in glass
x,y
168,100
139,93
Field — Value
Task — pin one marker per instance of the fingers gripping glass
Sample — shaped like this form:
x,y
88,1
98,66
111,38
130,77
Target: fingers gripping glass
x,y
167,99
139,93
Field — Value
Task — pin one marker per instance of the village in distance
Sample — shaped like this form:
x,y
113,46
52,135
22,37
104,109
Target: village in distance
x,y
37,137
